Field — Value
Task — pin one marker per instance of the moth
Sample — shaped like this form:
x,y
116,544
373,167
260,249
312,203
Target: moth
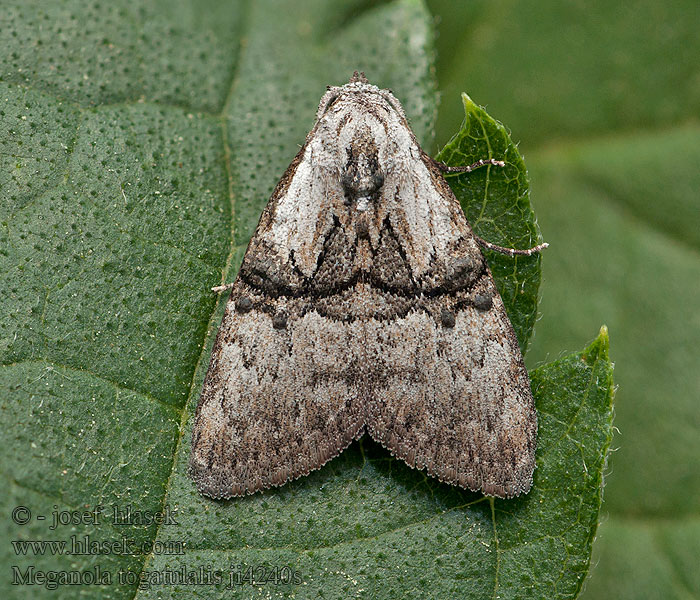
x,y
364,304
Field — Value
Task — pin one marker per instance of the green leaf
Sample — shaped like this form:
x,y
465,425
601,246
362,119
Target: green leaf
x,y
620,257
496,201
139,145
604,100
368,522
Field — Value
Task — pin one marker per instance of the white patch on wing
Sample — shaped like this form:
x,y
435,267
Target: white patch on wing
x,y
424,223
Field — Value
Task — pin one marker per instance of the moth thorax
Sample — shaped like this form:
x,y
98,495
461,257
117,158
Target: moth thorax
x,y
362,178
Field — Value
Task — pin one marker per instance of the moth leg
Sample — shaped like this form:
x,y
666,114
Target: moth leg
x,y
222,288
469,168
483,243
510,251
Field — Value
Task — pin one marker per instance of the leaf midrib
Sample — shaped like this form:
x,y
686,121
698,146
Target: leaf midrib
x,y
184,413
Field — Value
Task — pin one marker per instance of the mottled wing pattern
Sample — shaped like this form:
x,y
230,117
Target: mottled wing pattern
x,y
454,396
278,401
454,403
364,302
468,418
280,397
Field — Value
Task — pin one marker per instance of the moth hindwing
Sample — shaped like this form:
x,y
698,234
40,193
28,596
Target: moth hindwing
x,y
364,304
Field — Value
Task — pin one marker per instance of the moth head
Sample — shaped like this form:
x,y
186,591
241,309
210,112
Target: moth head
x,y
356,87
359,116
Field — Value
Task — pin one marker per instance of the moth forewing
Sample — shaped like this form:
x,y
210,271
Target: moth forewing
x,y
364,304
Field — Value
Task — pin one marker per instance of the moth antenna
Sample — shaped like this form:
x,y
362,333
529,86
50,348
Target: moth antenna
x,y
469,168
221,288
510,251
358,77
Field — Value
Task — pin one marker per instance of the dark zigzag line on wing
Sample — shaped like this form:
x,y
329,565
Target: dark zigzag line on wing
x,y
307,289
